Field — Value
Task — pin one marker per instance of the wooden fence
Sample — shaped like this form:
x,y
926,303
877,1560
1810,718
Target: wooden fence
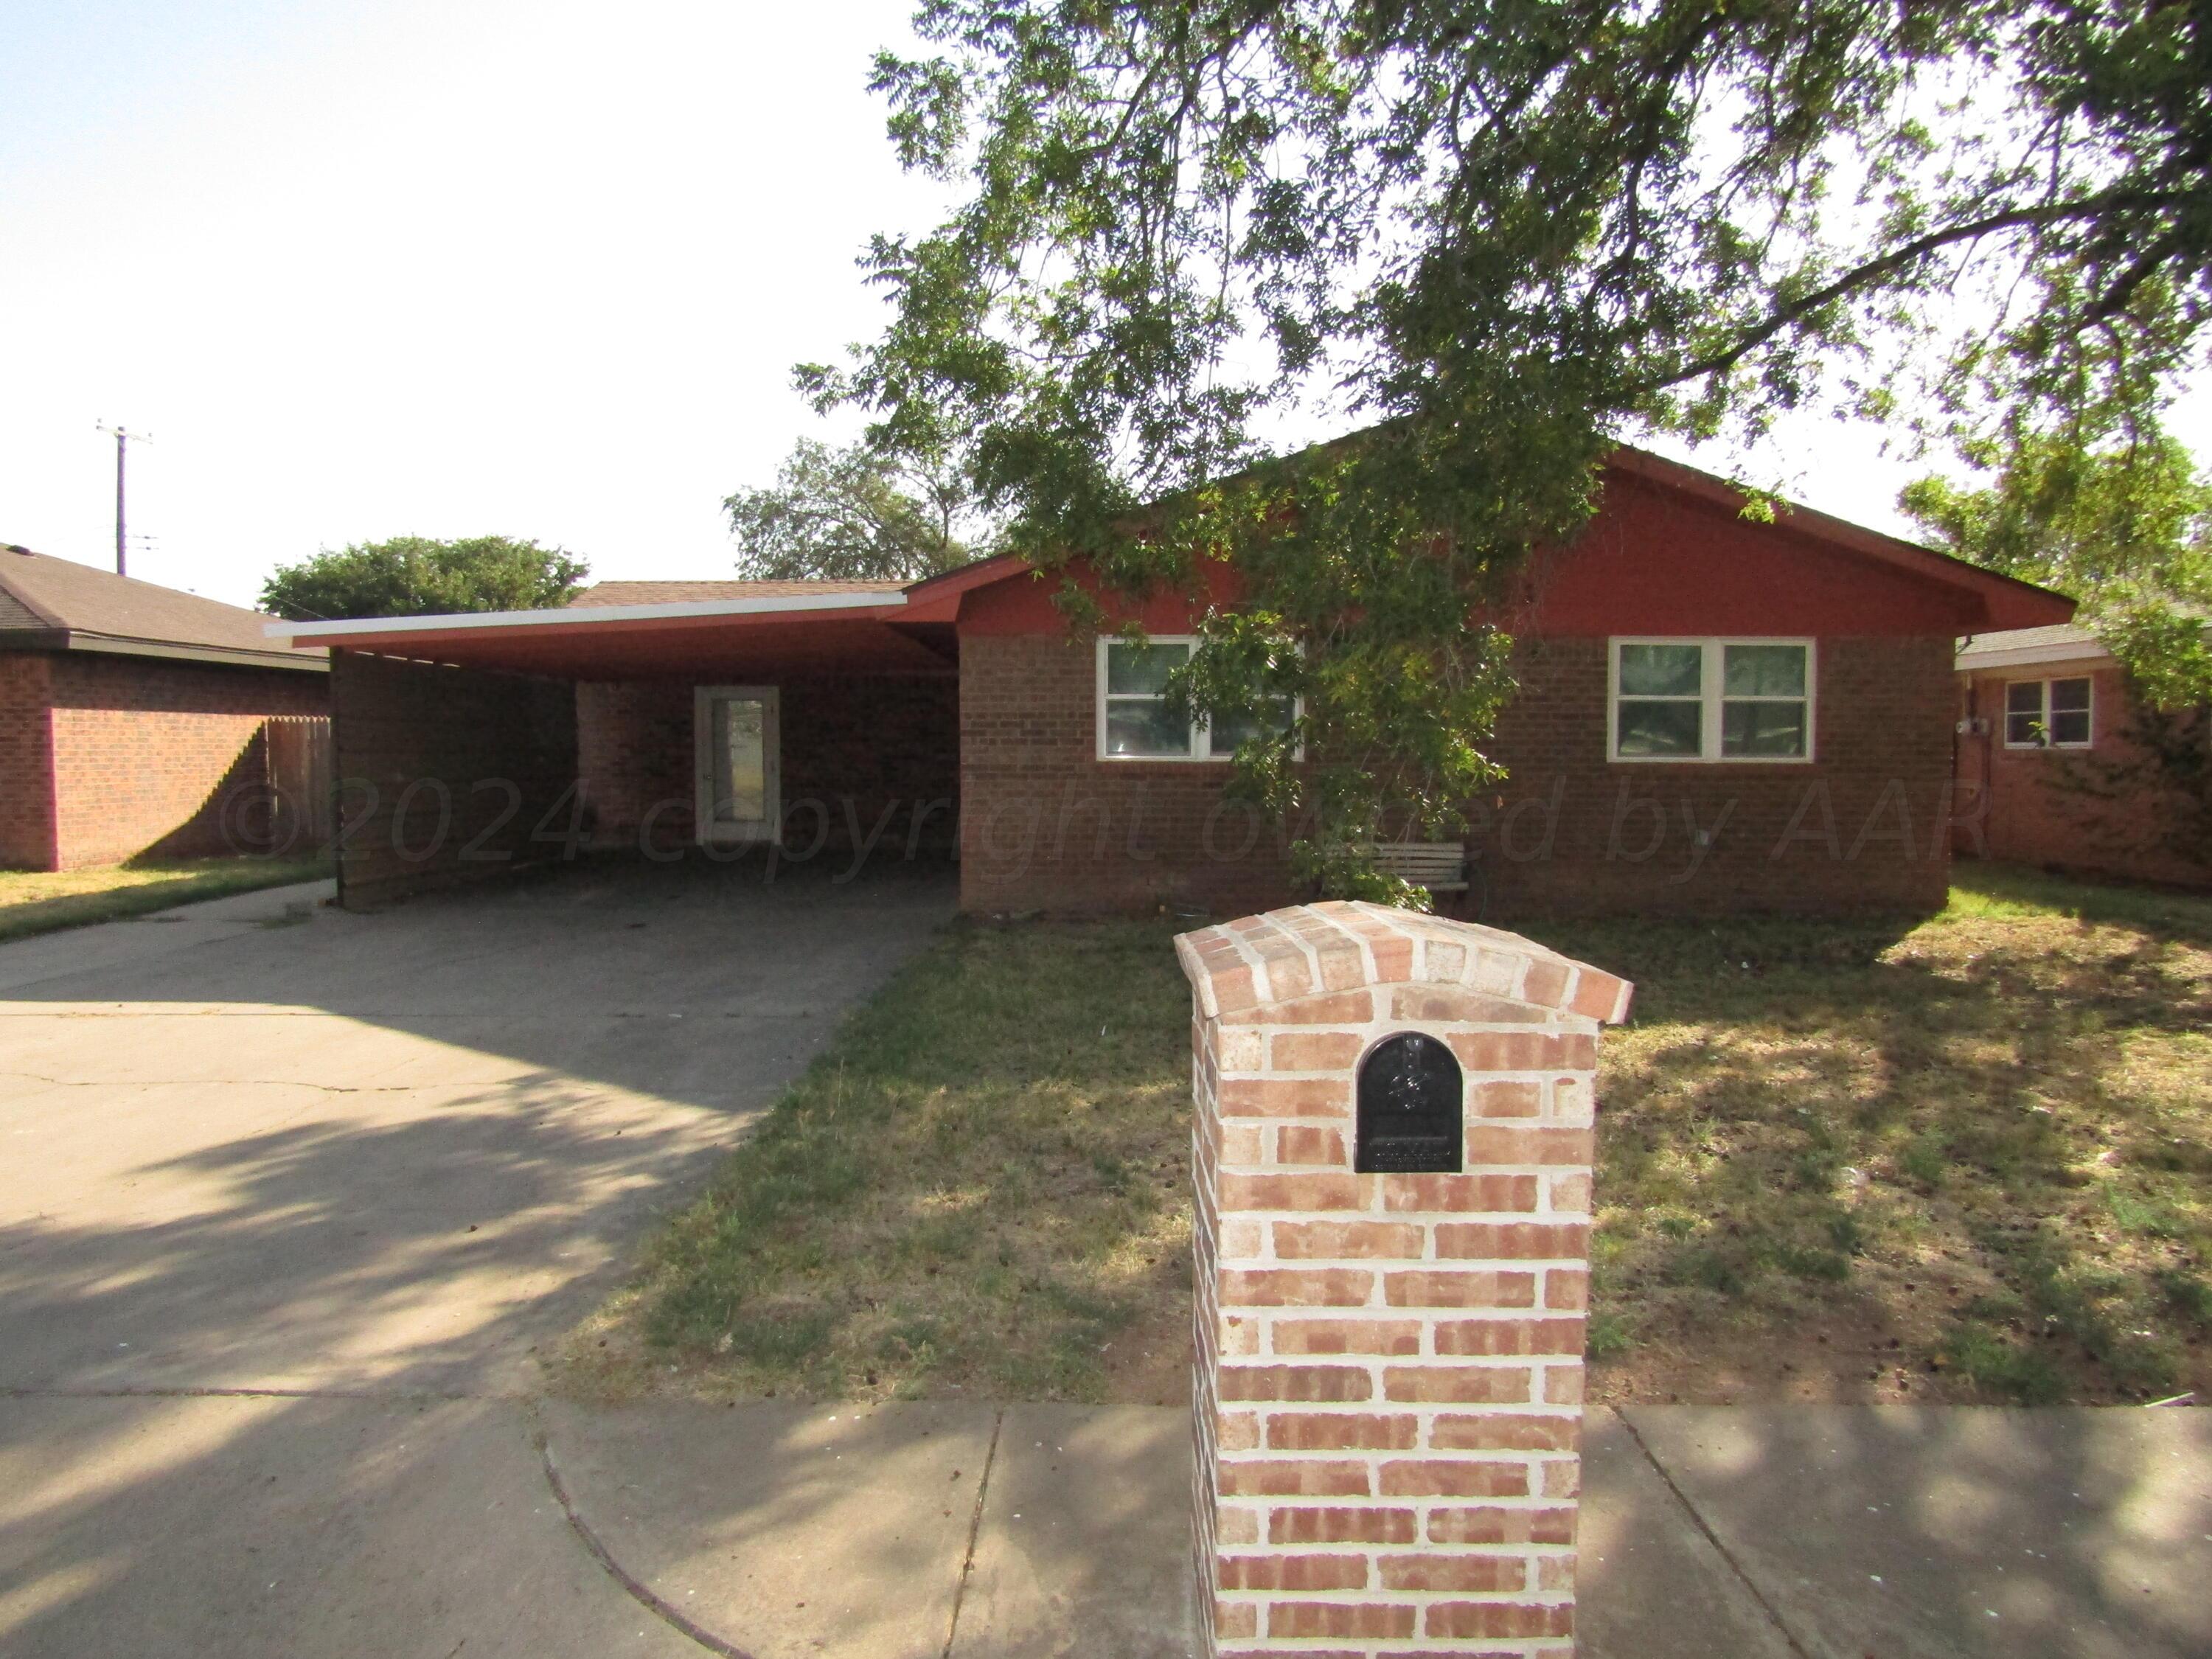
x,y
298,752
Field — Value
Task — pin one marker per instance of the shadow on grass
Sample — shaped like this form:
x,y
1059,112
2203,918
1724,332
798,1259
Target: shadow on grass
x,y
983,1185
1985,1139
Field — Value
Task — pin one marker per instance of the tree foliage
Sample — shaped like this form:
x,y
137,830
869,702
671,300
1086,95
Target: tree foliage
x,y
854,515
416,576
1495,234
2127,531
2151,791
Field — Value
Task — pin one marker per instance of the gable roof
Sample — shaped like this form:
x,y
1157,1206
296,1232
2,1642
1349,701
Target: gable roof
x,y
2008,602
2000,601
58,604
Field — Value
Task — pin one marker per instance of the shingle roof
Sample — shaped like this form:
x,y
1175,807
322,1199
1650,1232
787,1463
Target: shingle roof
x,y
690,592
2029,639
47,600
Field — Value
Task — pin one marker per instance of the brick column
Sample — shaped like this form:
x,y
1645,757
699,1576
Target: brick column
x,y
1390,1367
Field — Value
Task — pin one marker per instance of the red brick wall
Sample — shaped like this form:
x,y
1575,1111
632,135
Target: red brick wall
x,y
144,750
1387,1386
1047,826
864,758
2037,814
1864,826
446,775
26,763
633,754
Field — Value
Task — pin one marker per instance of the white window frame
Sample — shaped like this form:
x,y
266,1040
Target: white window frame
x,y
2044,712
1199,753
707,831
1712,671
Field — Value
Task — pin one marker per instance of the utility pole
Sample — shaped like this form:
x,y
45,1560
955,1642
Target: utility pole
x,y
122,444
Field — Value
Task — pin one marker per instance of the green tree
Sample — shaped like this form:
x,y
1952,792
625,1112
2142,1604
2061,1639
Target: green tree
x,y
1498,233
415,576
2126,530
853,514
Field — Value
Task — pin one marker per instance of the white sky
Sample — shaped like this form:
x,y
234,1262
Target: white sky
x,y
368,268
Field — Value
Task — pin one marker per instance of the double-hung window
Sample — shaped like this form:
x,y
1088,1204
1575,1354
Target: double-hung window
x,y
1712,700
1134,721
2048,713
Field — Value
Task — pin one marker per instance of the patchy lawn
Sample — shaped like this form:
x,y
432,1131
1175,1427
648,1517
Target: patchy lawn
x,y
41,901
1968,1159
981,1187
1971,1159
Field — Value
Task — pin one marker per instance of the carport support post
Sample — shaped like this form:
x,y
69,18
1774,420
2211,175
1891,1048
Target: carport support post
x,y
1388,1382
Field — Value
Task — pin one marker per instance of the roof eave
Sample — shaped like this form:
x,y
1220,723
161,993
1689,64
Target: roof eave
x,y
572,618
297,660
2034,656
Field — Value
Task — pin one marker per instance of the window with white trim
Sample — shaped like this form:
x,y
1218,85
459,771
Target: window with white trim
x,y
1712,700
1134,721
2049,713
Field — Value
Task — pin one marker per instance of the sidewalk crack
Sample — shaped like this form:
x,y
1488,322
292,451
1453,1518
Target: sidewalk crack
x,y
975,1530
1751,1588
615,1569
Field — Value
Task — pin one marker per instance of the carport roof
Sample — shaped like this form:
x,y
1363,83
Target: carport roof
x,y
678,593
623,630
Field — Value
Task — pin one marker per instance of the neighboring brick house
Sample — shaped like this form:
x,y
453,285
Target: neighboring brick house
x,y
1717,713
2048,764
132,715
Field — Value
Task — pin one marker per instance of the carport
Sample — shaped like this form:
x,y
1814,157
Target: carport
x,y
793,720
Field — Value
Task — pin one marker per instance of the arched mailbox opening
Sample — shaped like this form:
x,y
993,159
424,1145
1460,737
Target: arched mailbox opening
x,y
1411,1103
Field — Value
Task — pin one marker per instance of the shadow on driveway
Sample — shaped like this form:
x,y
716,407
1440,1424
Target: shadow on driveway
x,y
374,1160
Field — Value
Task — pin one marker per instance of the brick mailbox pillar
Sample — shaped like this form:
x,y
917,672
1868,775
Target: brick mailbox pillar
x,y
1393,1164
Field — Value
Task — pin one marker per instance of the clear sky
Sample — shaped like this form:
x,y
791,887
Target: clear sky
x,y
458,267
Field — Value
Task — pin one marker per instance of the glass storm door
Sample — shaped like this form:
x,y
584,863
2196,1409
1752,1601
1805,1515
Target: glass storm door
x,y
734,727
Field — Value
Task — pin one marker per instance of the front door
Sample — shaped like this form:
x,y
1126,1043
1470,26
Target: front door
x,y
734,730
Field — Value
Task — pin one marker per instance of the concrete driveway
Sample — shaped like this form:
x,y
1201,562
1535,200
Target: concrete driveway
x,y
293,1198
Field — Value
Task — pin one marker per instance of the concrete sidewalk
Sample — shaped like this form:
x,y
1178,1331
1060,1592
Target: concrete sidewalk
x,y
140,941
907,1532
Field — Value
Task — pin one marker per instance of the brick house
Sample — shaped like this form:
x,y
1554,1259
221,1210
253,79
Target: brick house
x,y
2048,761
1716,714
132,715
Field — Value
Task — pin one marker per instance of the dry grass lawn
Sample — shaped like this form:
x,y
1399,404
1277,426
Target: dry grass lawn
x,y
41,901
1965,1159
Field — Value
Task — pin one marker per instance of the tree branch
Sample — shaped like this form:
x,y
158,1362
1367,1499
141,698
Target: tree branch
x,y
1871,272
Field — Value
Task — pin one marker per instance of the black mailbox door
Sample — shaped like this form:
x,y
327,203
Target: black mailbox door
x,y
1411,1096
